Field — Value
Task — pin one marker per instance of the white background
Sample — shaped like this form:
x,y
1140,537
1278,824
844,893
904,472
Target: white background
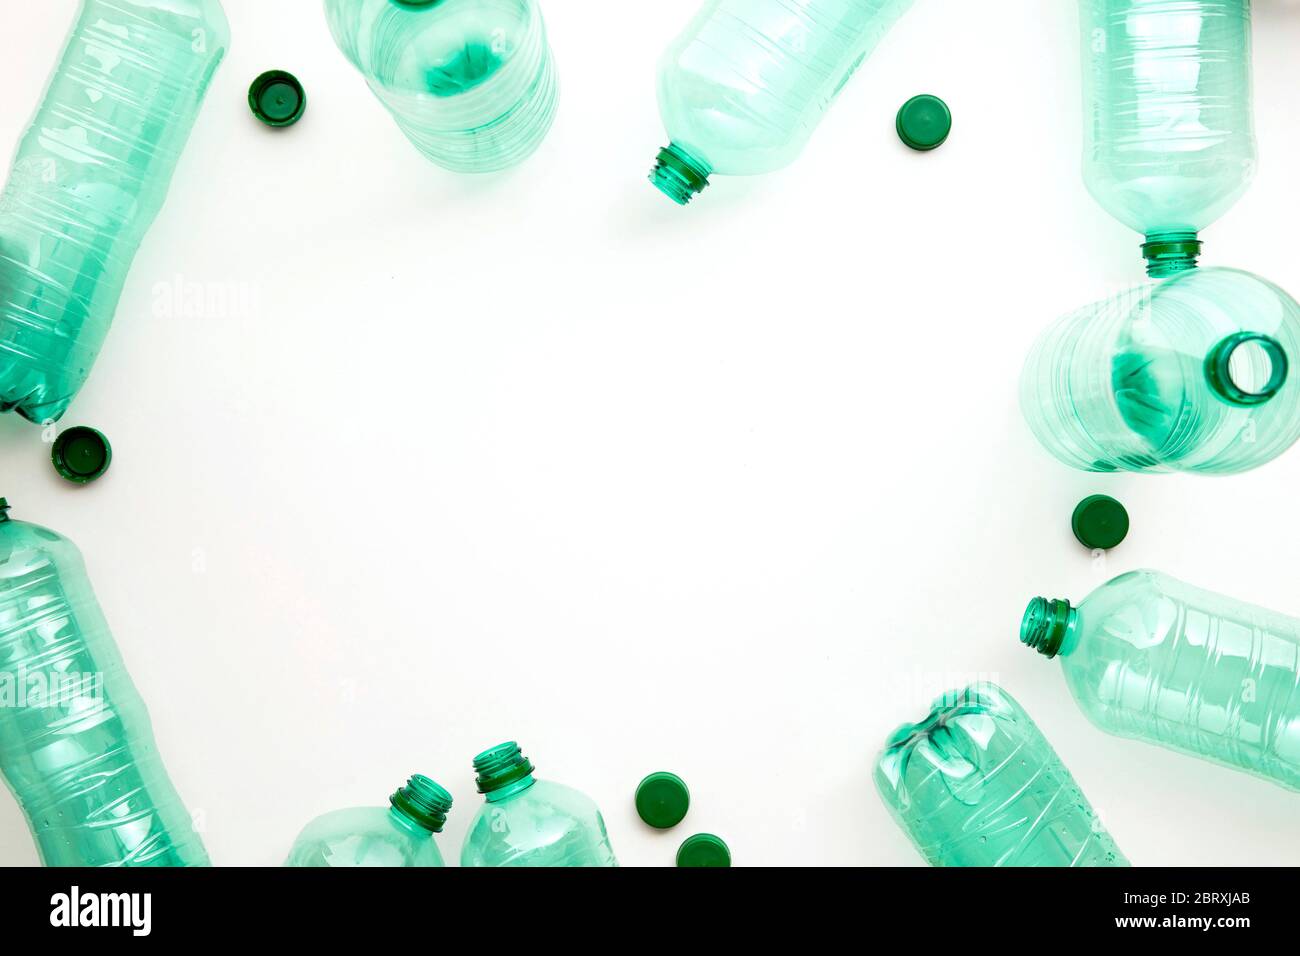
x,y
730,490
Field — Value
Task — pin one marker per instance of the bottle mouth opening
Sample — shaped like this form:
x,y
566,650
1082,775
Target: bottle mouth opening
x,y
1247,368
1045,624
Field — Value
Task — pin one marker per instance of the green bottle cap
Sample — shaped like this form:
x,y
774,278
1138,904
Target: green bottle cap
x,y
1099,521
924,122
662,800
703,849
81,454
277,98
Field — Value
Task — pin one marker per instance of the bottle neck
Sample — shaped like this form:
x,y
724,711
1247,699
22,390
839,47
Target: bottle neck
x,y
1246,368
4,510
421,804
679,174
502,772
1172,252
1047,624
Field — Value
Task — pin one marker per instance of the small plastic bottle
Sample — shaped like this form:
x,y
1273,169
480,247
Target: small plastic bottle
x,y
530,822
400,834
976,784
76,747
1169,137
90,175
744,86
1149,657
470,82
1190,374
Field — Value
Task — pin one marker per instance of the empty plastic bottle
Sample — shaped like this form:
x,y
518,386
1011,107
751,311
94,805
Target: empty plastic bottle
x,y
745,85
976,784
76,747
1169,138
90,175
1154,659
400,834
470,82
530,822
1189,374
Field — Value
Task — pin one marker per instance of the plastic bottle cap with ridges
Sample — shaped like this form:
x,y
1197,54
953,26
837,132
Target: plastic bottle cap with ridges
x,y
1099,522
662,800
81,454
924,122
703,849
277,98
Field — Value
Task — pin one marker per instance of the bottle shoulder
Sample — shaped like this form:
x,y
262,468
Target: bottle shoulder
x,y
362,836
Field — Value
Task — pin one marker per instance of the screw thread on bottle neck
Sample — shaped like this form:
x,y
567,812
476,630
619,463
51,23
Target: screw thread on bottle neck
x,y
4,509
503,766
1045,625
678,174
423,803
1169,253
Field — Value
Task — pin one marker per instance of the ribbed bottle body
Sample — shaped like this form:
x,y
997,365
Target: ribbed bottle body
x,y
747,82
1189,374
90,175
976,784
76,746
1169,141
1155,659
542,824
471,83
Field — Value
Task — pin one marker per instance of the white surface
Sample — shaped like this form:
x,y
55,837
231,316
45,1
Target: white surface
x,y
730,490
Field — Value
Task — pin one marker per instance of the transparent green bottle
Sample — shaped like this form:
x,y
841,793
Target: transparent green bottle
x,y
1169,138
1154,659
976,784
90,175
745,85
400,834
530,822
76,747
1189,374
470,82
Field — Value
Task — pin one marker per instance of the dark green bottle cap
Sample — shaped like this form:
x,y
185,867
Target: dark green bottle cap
x,y
1099,521
662,800
81,454
277,98
924,122
703,849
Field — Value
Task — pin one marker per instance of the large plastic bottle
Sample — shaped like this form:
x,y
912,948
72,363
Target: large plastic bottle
x,y
1169,138
90,175
745,85
76,747
976,784
400,834
530,822
470,82
1149,657
1190,374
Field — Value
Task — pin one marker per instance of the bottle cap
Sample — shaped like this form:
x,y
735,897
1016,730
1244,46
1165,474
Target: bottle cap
x,y
703,849
81,454
277,98
924,122
1099,522
662,800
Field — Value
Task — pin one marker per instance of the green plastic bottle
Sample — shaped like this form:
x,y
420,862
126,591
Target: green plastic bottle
x,y
530,822
1149,657
90,175
400,834
745,85
1190,374
76,748
976,784
1169,139
470,82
